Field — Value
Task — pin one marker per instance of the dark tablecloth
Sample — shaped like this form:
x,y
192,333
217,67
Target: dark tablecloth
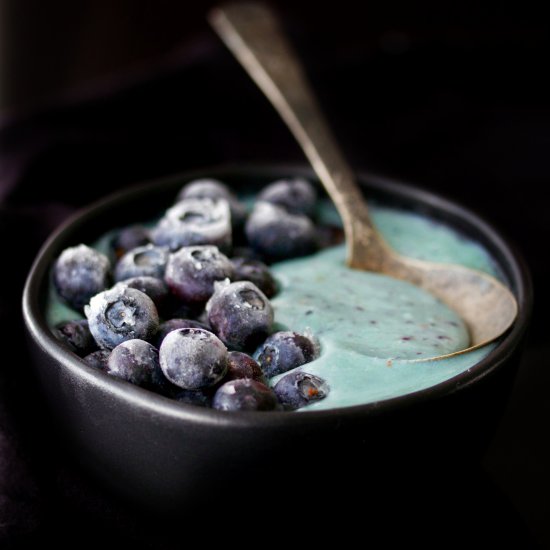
x,y
464,113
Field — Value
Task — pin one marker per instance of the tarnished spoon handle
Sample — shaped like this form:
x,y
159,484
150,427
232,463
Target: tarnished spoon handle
x,y
252,32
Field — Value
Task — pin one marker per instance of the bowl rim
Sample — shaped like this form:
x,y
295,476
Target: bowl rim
x,y
153,403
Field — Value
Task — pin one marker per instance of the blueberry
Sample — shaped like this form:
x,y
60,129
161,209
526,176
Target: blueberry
x,y
192,271
129,238
98,359
136,361
284,351
296,196
241,365
240,314
143,261
330,235
155,288
215,189
277,234
200,398
181,310
76,336
195,222
193,358
202,317
256,272
297,389
245,394
246,252
121,314
173,324
80,272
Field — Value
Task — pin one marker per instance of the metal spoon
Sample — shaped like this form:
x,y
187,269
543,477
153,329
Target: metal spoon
x,y
252,32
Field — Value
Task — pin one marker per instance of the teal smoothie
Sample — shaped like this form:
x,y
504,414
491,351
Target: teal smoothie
x,y
376,334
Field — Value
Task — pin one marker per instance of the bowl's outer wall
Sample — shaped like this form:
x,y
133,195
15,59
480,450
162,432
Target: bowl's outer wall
x,y
166,454
167,462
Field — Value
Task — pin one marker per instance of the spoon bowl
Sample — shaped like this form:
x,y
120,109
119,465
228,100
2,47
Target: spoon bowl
x,y
253,34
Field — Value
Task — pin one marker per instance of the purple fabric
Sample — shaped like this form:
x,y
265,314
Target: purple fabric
x,y
439,113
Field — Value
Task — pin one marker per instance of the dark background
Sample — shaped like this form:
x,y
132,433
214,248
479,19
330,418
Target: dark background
x,y
97,95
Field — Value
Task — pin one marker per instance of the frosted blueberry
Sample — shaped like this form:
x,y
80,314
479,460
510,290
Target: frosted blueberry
x,y
245,394
297,389
79,273
297,195
98,359
155,288
215,189
129,238
173,324
201,398
136,361
277,234
121,314
193,358
76,336
241,365
283,351
143,261
192,271
195,222
257,272
240,314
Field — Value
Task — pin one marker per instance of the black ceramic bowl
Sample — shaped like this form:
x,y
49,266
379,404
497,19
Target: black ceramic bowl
x,y
163,454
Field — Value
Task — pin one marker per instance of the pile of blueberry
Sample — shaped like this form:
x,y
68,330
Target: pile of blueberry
x,y
189,313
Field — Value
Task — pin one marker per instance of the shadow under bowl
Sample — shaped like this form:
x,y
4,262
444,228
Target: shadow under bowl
x,y
162,454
